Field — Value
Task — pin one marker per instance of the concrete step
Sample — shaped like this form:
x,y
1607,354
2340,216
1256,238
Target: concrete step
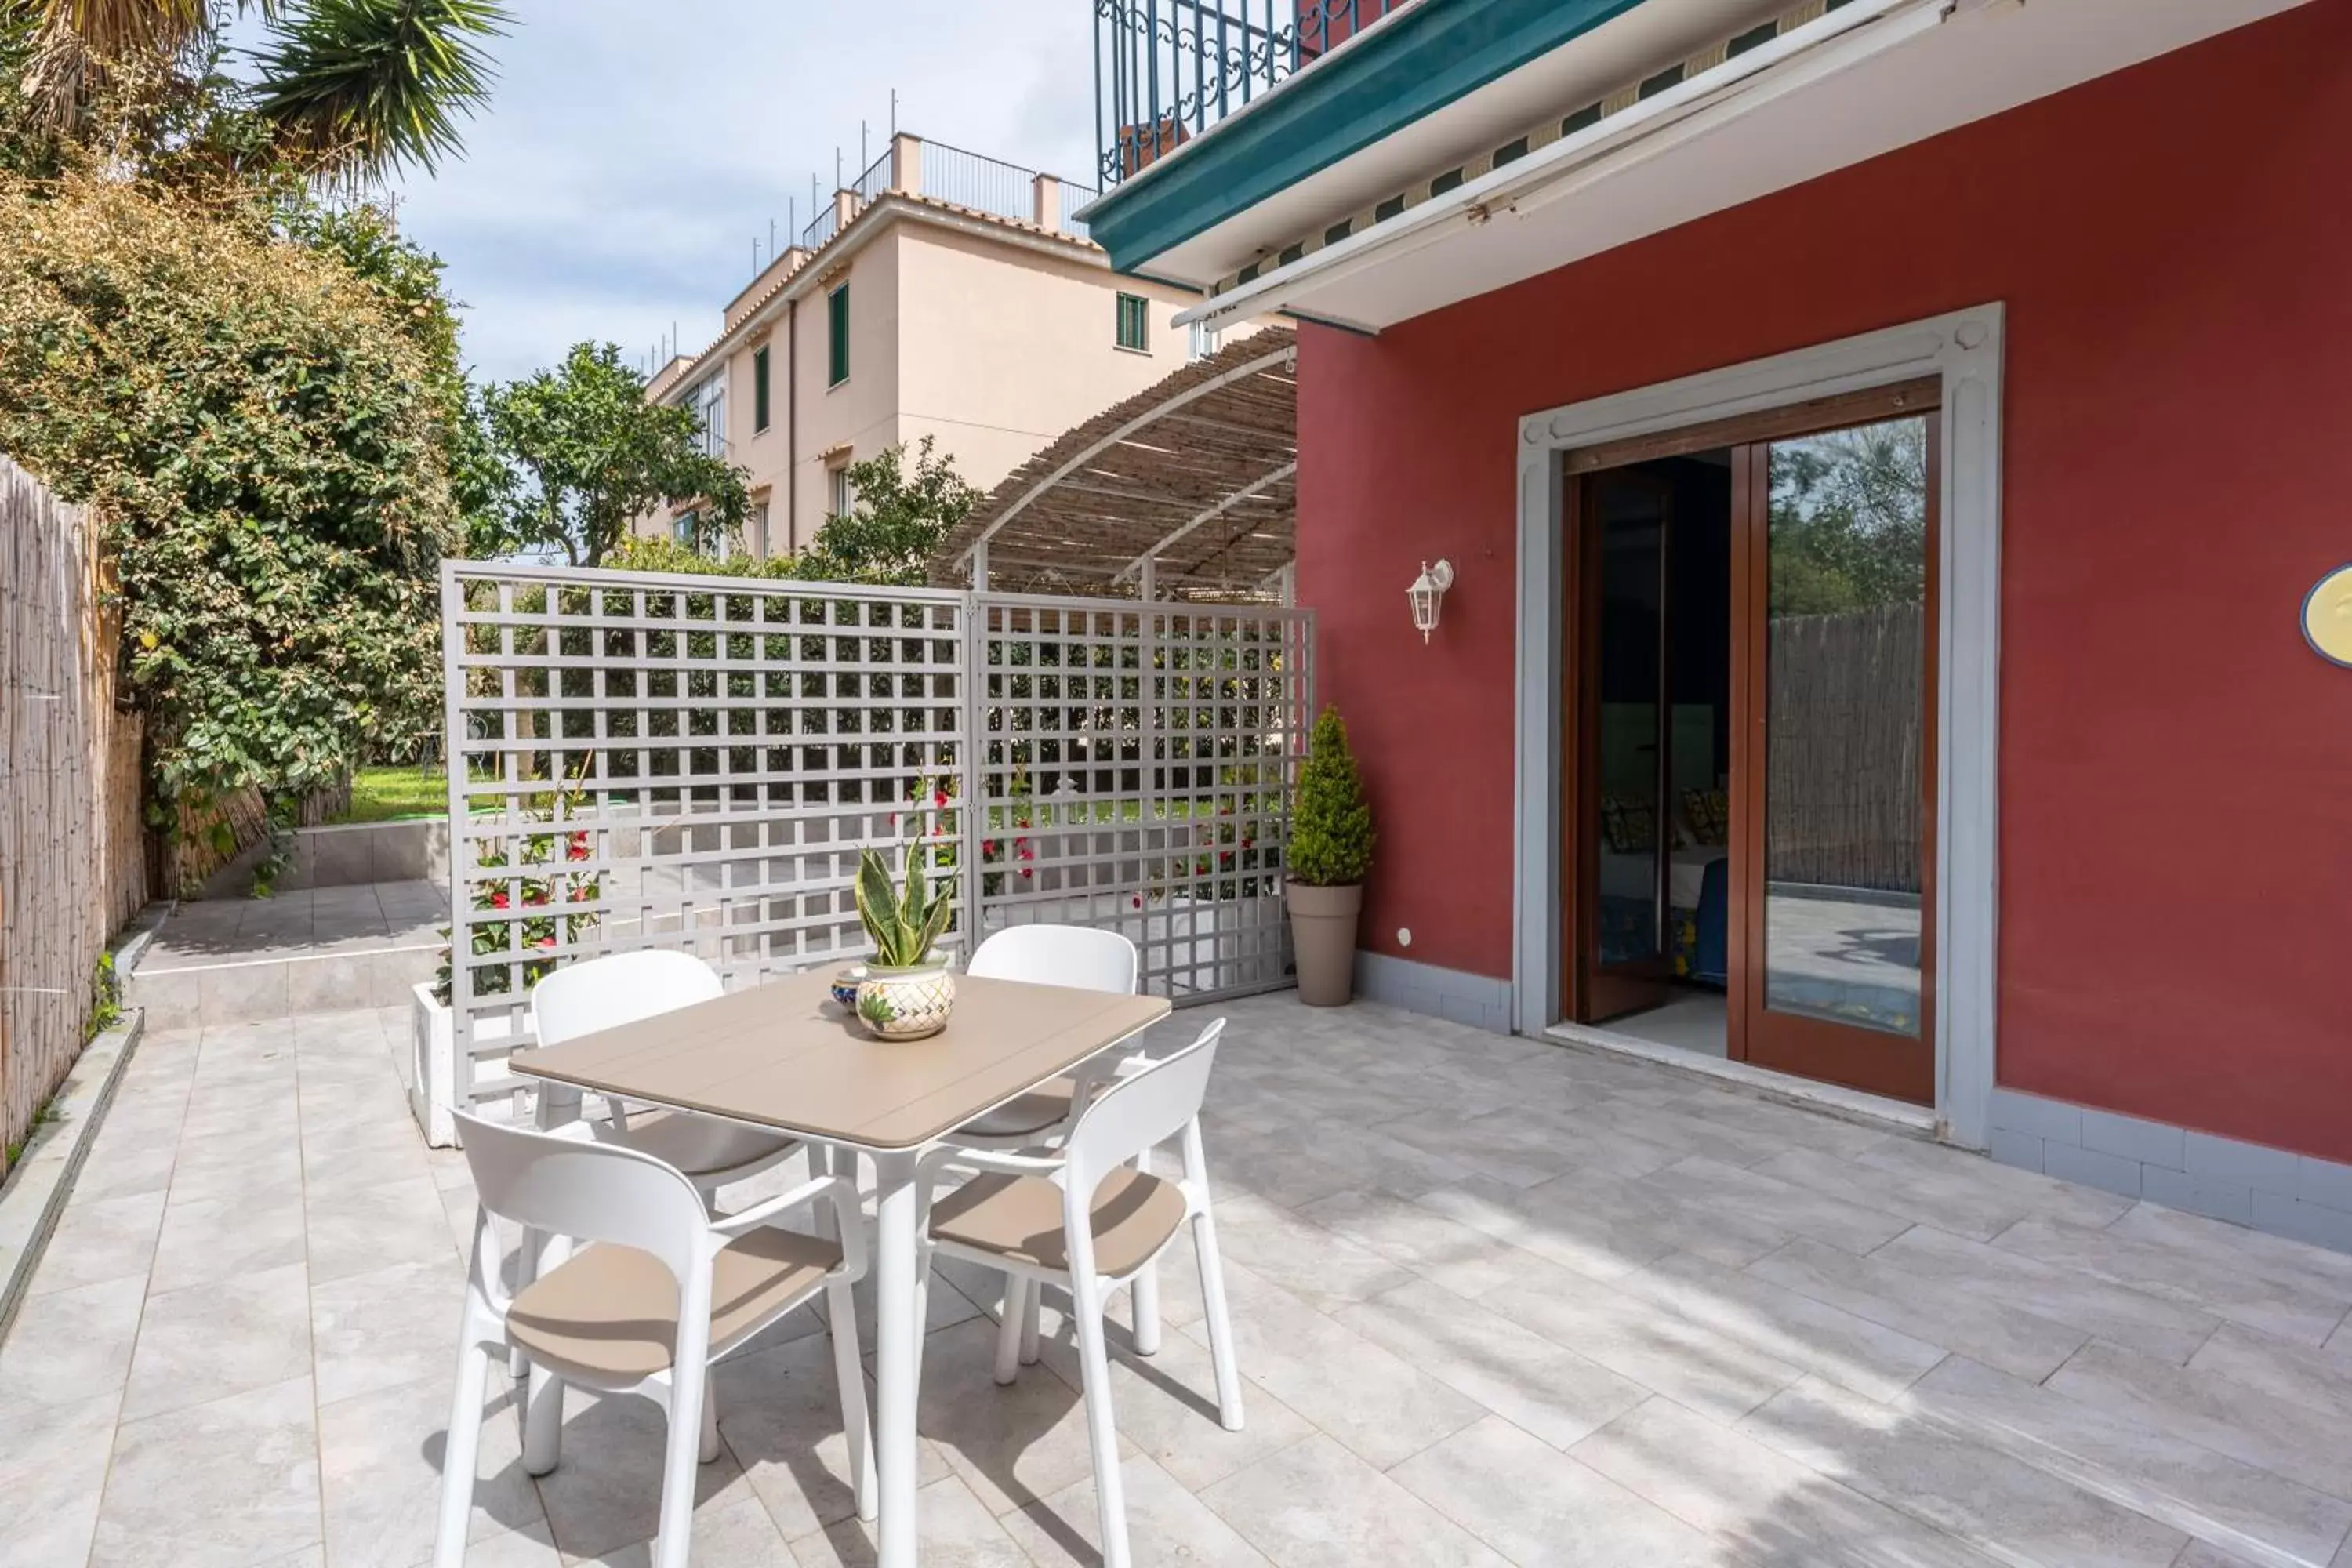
x,y
322,950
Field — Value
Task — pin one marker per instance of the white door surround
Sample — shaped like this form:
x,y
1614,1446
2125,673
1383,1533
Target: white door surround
x,y
1964,349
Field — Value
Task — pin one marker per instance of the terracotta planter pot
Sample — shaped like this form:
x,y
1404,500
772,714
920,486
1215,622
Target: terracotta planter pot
x,y
1323,941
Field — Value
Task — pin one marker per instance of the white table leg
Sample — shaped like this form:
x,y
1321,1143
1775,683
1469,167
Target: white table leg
x,y
898,1374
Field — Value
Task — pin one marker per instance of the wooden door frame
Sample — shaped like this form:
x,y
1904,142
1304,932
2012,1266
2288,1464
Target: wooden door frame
x,y
1965,349
1828,1052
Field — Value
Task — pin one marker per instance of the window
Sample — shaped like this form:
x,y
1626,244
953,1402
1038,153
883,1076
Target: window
x,y
1135,322
837,336
681,530
708,401
759,530
1203,342
760,388
838,498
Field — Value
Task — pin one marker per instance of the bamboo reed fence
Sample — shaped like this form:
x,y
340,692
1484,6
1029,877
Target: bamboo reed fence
x,y
73,855
1842,785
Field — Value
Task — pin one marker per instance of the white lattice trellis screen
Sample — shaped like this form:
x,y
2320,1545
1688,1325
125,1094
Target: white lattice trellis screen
x,y
642,760
1132,769
680,762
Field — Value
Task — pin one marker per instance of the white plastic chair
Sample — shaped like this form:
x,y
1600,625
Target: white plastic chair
x,y
1091,959
623,988
1083,1218
662,1292
1079,956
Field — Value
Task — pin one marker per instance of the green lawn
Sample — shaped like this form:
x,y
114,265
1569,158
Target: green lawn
x,y
389,794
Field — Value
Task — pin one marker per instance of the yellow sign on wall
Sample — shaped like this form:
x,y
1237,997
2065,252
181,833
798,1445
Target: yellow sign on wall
x,y
2327,617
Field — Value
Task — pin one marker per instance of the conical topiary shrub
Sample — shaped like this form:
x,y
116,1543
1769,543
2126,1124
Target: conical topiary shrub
x,y
1332,822
1329,856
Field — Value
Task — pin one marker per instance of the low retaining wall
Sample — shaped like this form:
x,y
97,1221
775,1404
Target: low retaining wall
x,y
346,855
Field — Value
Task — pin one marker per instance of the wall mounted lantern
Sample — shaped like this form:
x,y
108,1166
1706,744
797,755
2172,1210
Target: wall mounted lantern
x,y
1427,592
2327,617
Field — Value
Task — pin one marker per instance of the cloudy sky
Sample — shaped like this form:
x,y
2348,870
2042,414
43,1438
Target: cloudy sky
x,y
636,147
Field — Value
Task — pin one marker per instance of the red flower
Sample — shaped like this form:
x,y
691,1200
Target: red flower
x,y
987,846
1139,901
546,941
1024,870
537,898
498,901
1247,841
939,798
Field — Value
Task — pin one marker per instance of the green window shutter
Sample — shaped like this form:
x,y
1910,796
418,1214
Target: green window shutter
x,y
1134,323
759,389
836,330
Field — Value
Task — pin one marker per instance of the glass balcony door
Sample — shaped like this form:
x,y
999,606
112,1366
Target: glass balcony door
x,y
1834,585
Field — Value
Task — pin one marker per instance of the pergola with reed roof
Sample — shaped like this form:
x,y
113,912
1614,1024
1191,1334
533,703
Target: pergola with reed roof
x,y
1188,489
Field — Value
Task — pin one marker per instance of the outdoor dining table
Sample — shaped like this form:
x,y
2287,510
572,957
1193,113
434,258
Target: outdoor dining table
x,y
786,1056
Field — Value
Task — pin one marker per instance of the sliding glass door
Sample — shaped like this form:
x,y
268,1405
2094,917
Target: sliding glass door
x,y
1833,575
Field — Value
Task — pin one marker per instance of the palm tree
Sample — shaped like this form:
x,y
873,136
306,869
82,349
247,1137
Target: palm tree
x,y
366,87
347,90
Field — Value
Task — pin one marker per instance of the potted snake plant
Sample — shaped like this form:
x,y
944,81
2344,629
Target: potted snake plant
x,y
906,992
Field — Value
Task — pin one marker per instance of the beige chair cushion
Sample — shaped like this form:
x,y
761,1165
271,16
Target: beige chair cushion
x,y
1043,1108
611,1312
1020,1217
697,1145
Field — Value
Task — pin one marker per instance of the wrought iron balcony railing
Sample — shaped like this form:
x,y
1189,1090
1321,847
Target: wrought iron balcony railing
x,y
1166,70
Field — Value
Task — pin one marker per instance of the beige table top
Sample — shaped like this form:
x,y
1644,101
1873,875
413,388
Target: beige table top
x,y
786,1055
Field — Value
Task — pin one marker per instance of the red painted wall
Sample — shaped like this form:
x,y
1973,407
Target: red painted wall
x,y
2174,249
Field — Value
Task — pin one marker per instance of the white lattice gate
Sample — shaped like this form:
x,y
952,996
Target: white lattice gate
x,y
642,760
1132,769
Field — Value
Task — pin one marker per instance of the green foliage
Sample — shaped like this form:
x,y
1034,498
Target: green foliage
x,y
591,454
347,91
263,436
406,280
105,998
1332,822
903,924
389,792
371,87
641,553
896,520
1849,519
889,536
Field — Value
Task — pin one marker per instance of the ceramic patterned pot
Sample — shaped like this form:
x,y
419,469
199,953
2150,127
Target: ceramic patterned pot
x,y
905,1004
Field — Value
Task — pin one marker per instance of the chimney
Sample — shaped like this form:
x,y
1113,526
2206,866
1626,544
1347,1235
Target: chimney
x,y
1045,201
906,164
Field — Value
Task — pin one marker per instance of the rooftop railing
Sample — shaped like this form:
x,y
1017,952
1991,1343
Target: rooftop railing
x,y
1166,70
821,227
947,173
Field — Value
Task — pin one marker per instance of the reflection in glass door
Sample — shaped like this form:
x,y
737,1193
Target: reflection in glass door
x,y
1834,573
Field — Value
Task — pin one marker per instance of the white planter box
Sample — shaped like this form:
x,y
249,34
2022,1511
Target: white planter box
x,y
436,1086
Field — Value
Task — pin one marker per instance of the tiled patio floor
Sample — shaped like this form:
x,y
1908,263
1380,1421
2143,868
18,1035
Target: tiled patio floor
x,y
1498,1301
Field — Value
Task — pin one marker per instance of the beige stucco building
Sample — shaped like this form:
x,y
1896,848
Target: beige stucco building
x,y
946,295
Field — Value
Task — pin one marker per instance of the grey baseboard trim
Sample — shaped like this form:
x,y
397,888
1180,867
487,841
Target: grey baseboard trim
x,y
2297,1195
1480,1001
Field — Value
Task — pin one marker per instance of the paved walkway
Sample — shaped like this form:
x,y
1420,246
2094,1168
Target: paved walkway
x,y
1498,1301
